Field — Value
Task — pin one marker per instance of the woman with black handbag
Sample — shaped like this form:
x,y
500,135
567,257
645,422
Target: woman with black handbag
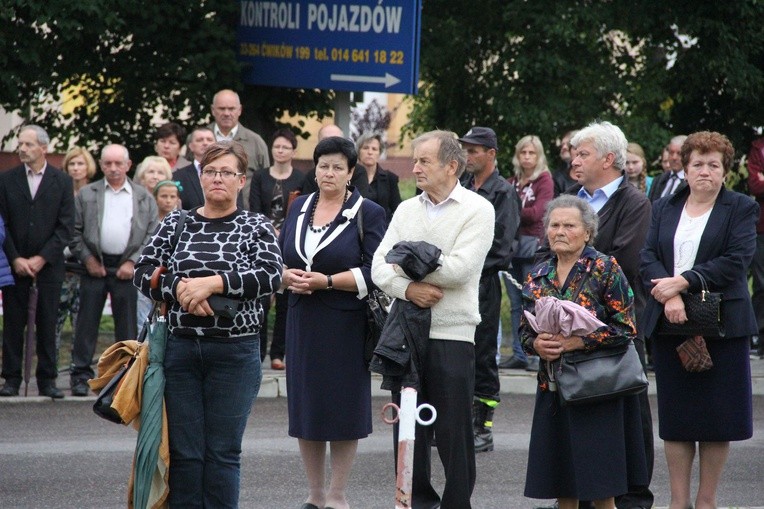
x,y
702,235
220,262
590,451
328,273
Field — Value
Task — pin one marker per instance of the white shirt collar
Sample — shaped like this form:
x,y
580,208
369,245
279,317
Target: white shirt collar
x,y
220,136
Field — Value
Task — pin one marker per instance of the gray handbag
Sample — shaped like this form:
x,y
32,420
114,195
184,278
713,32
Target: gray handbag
x,y
606,373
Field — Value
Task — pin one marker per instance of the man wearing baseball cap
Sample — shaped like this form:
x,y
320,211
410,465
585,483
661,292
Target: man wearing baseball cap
x,y
483,177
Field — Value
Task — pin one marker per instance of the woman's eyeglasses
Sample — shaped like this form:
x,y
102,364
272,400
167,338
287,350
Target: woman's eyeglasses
x,y
224,174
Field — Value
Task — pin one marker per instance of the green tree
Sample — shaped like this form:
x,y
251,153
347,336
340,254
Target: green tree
x,y
129,63
654,68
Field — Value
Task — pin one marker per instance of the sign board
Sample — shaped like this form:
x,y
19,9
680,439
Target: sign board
x,y
368,45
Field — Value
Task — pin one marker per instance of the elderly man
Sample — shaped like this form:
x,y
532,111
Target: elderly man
x,y
226,109
484,179
114,220
37,204
461,224
669,182
360,178
624,217
192,196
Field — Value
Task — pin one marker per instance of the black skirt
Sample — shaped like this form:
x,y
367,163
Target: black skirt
x,y
586,452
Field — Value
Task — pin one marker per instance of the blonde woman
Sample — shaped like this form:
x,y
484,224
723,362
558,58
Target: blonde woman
x,y
151,171
535,186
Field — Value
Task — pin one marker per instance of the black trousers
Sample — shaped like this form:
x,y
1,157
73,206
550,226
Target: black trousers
x,y
93,292
447,379
639,496
757,275
486,370
15,315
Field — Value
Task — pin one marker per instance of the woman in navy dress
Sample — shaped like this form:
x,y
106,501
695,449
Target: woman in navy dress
x,y
708,230
327,270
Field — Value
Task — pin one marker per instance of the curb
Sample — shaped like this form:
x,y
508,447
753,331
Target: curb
x,y
273,385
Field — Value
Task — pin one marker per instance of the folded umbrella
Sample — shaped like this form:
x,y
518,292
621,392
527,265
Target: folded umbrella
x,y
556,316
151,466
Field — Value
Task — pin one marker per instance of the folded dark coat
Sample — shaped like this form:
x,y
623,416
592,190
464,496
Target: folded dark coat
x,y
404,339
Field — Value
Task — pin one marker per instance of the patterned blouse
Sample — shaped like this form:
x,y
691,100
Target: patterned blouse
x,y
241,248
606,294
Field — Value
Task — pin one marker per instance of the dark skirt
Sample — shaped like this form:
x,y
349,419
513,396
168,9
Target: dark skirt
x,y
586,452
328,383
712,406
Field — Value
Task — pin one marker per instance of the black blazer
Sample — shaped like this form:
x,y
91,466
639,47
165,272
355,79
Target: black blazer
x,y
192,195
659,183
383,191
40,226
724,254
261,190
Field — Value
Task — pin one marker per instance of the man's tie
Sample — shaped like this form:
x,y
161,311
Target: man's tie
x,y
673,181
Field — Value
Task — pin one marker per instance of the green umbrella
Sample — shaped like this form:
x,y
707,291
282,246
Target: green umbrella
x,y
150,434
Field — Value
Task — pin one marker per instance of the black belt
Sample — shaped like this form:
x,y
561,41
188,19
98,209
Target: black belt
x,y
111,261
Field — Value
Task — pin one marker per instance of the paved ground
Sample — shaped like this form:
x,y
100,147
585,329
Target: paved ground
x,y
57,454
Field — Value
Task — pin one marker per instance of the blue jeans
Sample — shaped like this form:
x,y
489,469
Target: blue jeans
x,y
211,386
519,271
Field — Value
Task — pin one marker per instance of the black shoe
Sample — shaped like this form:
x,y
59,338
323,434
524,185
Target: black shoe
x,y
484,441
79,388
9,390
533,364
52,392
513,363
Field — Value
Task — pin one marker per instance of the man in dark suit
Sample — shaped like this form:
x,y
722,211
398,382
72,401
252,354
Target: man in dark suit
x,y
624,217
37,203
360,178
226,109
669,182
114,219
192,195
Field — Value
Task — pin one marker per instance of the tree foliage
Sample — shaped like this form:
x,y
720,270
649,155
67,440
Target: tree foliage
x,y
653,68
128,66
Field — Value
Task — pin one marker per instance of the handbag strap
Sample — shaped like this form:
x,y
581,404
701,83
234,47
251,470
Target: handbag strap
x,y
359,226
703,284
179,229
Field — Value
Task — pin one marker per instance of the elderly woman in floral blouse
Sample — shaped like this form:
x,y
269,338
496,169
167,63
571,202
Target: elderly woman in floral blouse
x,y
588,451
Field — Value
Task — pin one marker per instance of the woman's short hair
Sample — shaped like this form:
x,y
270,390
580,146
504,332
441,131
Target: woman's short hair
x,y
224,148
708,141
607,138
151,161
336,145
284,133
90,165
568,201
450,148
367,137
541,164
170,129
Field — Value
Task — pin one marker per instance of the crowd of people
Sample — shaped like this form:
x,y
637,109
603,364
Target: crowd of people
x,y
237,224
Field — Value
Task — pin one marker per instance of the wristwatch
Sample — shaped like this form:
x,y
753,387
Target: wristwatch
x,y
329,282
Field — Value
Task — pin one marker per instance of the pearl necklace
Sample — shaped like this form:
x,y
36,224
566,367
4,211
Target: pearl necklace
x,y
321,229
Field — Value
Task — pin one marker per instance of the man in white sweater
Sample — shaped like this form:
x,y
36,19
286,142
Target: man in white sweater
x,y
461,224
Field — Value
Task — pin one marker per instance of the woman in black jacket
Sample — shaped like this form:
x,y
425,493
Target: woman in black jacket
x,y
270,195
383,185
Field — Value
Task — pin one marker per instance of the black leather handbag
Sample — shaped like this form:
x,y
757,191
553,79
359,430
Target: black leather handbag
x,y
704,315
606,373
377,308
